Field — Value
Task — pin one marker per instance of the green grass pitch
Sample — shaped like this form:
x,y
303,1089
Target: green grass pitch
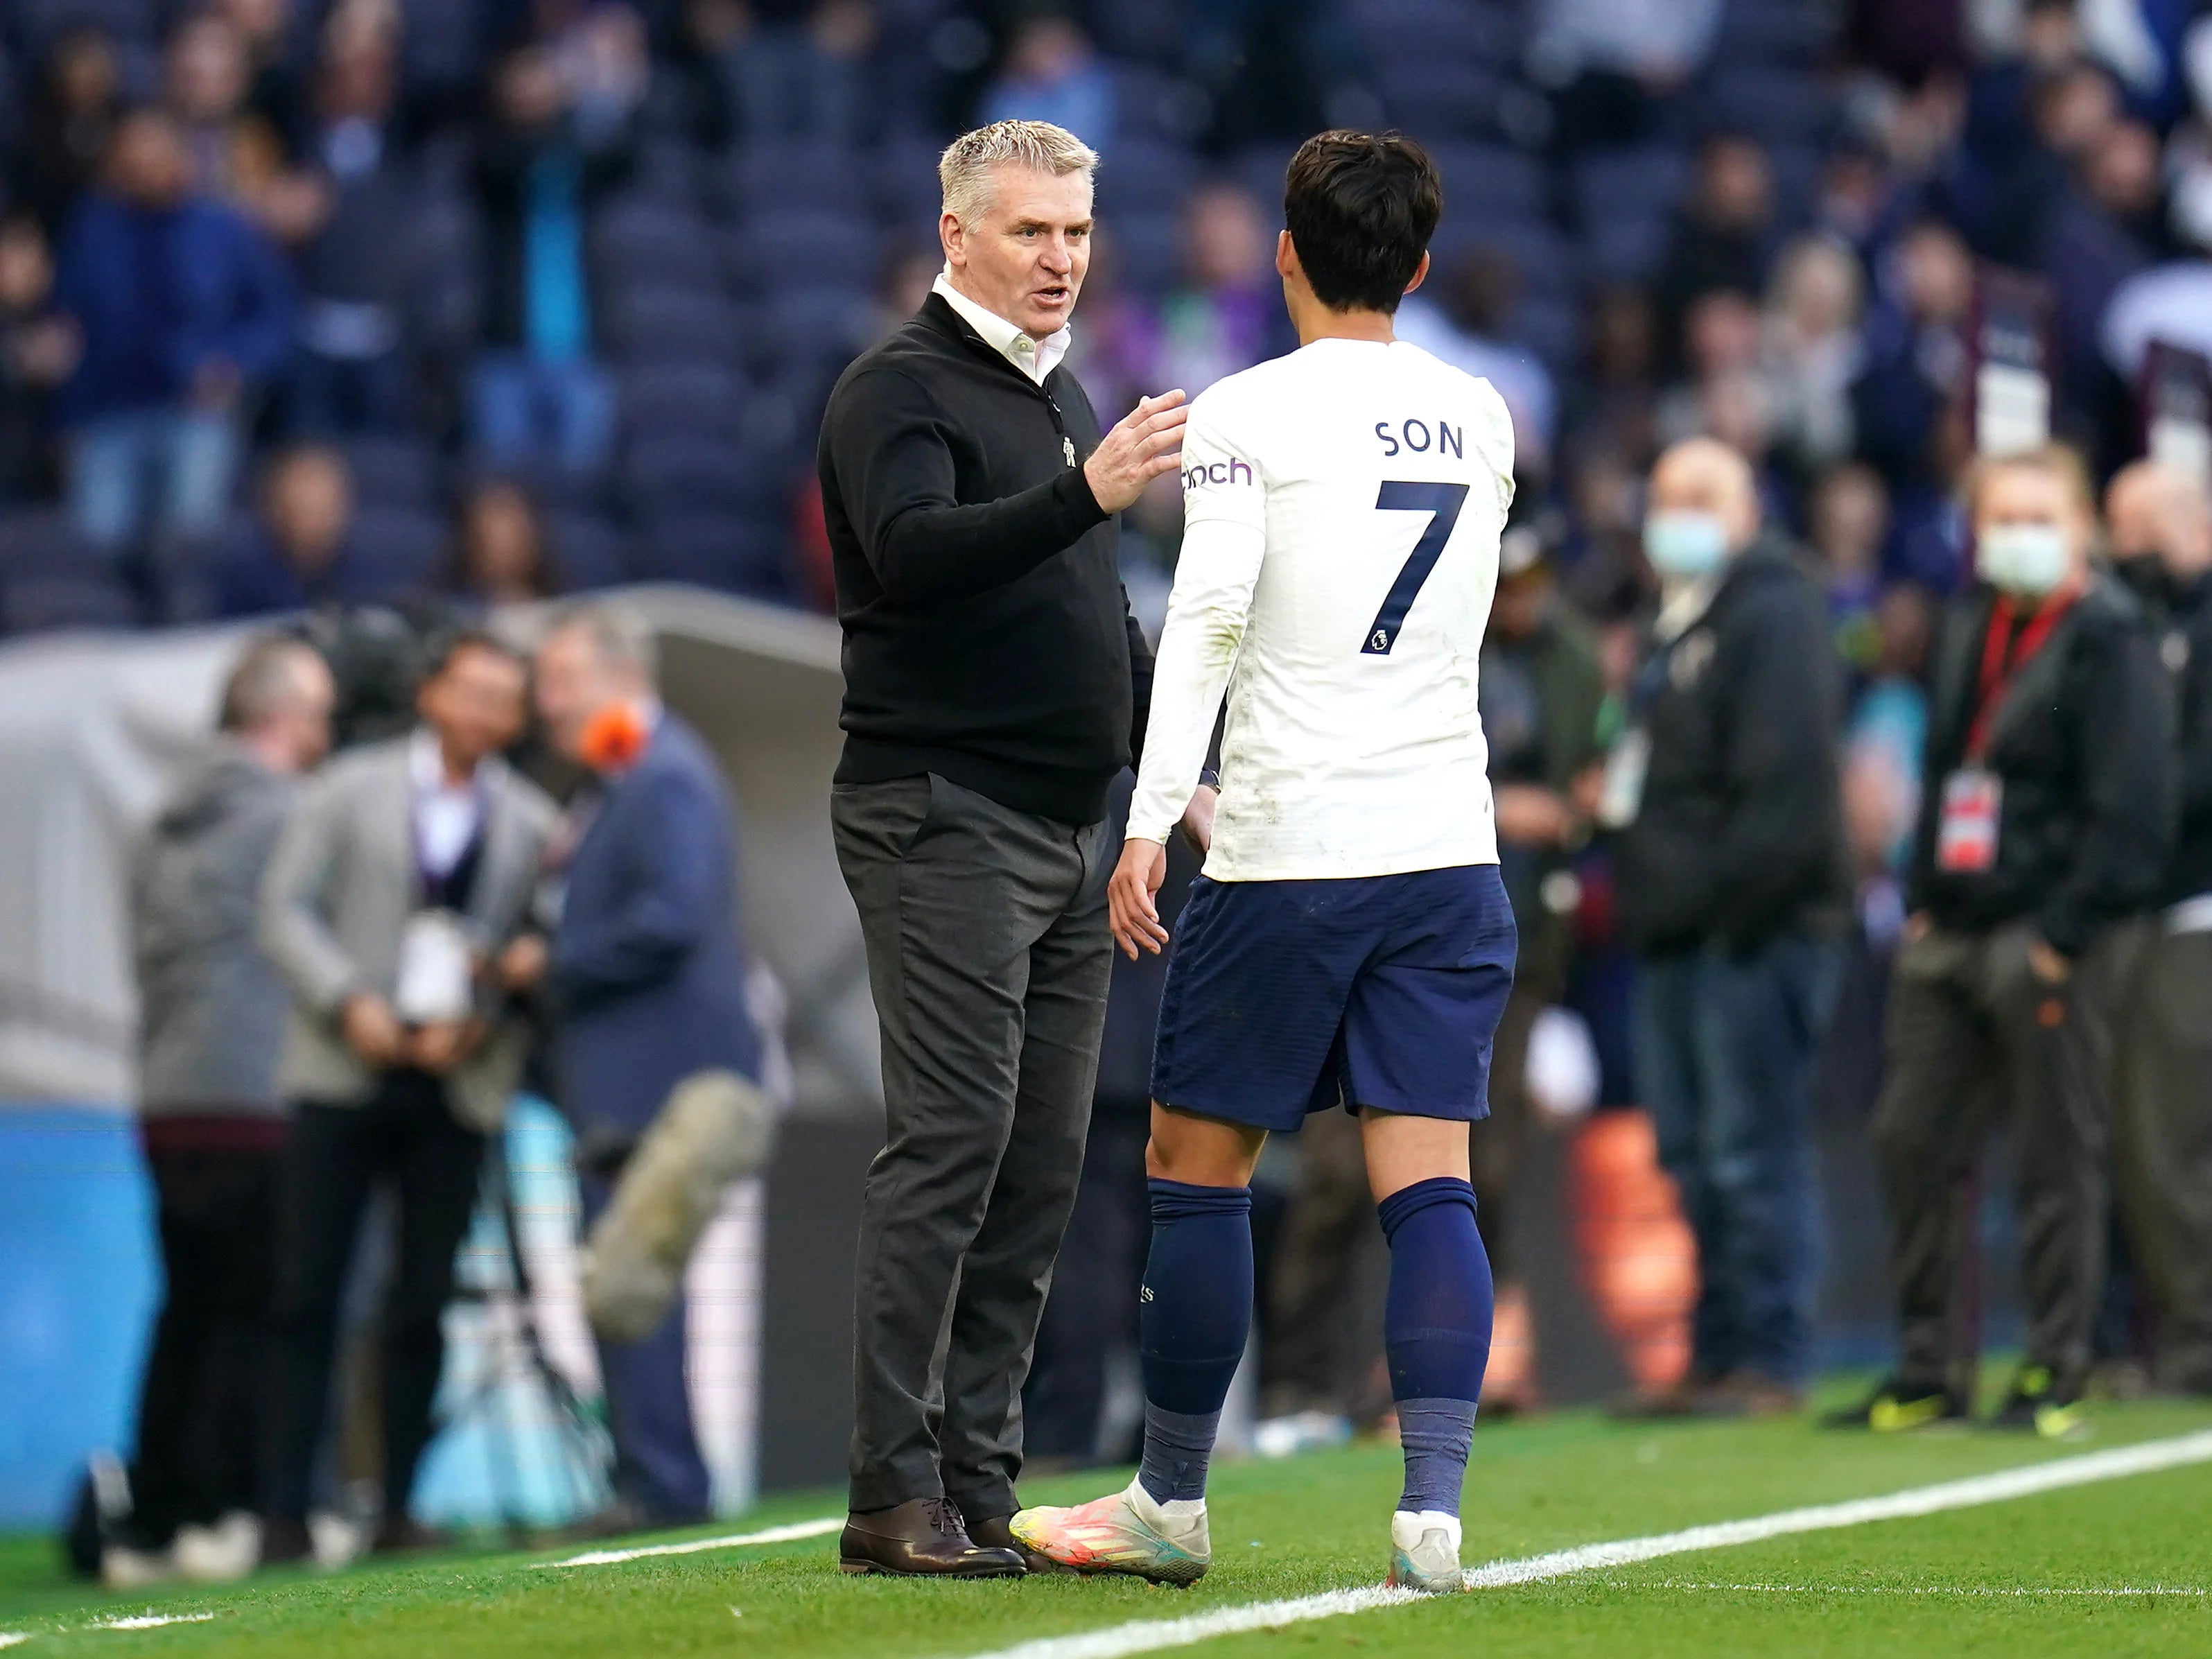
x,y
2122,1567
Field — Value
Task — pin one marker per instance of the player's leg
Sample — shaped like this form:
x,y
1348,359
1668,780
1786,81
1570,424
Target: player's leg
x,y
1419,1030
1195,1314
1243,1040
1435,1328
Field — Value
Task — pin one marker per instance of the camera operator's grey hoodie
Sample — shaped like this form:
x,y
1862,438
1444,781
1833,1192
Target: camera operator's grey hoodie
x,y
212,1011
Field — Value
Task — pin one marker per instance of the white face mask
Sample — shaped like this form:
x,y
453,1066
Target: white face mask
x,y
1684,543
2027,560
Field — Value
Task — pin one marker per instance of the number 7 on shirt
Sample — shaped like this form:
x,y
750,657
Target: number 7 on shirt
x,y
1442,502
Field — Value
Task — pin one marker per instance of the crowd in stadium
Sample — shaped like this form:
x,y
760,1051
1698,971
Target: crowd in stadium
x,y
308,305
365,300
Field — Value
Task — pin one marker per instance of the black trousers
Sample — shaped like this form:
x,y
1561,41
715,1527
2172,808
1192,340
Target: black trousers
x,y
200,1406
988,958
2162,1146
1973,1037
405,1134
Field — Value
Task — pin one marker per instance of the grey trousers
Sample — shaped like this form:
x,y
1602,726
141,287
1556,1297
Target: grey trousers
x,y
988,957
1972,1036
2162,1147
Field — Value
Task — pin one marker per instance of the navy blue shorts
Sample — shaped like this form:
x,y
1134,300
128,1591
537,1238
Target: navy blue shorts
x,y
1289,997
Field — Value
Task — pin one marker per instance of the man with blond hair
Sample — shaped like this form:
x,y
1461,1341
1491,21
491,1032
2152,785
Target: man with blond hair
x,y
2044,826
994,685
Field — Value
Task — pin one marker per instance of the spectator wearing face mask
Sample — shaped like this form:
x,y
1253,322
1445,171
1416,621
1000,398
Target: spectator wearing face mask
x,y
1733,891
2160,526
2044,806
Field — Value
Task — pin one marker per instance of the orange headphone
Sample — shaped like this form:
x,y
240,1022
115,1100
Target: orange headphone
x,y
614,740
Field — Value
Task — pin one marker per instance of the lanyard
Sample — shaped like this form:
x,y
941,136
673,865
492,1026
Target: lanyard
x,y
2004,657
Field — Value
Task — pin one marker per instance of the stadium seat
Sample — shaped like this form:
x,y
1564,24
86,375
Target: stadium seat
x,y
1775,31
1440,98
732,553
590,550
393,471
1492,181
903,187
761,177
696,398
649,238
1778,105
1159,105
691,473
1146,175
1145,249
32,603
399,550
1624,201
670,322
841,248
669,170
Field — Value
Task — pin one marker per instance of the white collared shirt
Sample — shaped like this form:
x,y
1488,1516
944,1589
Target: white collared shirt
x,y
446,814
1035,358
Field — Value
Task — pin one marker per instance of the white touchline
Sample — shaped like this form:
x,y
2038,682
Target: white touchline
x,y
9,1638
694,1547
1153,1635
2006,1592
150,1620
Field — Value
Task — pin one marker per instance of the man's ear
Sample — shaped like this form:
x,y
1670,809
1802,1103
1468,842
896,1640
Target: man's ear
x,y
1286,256
954,235
1420,274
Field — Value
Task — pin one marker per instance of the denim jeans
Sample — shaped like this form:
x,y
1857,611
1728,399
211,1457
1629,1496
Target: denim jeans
x,y
1725,1050
525,410
152,472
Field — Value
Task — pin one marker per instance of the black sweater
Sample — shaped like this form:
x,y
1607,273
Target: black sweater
x,y
1739,837
987,636
2080,742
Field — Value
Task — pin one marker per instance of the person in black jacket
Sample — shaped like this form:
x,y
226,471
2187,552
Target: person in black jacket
x,y
995,683
2159,526
2044,823
1729,865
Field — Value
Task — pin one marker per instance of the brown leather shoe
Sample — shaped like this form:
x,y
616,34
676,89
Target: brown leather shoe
x,y
997,1533
921,1538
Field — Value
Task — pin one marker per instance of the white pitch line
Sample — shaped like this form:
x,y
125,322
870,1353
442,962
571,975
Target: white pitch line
x,y
9,1638
150,1620
1154,1635
2010,1592
694,1547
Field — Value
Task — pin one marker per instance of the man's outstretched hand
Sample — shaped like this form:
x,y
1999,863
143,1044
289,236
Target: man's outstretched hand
x,y
1147,444
1132,897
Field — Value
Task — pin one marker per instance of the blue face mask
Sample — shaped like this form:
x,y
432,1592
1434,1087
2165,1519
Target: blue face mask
x,y
2026,560
1684,544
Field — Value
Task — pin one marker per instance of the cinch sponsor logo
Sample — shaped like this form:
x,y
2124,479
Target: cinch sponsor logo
x,y
1217,472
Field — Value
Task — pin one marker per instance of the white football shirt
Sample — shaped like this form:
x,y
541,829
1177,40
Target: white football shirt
x,y
1341,514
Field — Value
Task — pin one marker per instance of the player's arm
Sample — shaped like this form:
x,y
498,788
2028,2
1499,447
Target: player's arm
x,y
1225,539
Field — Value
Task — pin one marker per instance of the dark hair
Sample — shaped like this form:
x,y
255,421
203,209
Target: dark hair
x,y
451,642
1361,207
546,576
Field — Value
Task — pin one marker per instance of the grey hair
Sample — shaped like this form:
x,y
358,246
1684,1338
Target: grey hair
x,y
622,637
965,169
264,682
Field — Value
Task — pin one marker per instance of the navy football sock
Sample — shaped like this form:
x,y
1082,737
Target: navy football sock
x,y
1195,1311
1435,1330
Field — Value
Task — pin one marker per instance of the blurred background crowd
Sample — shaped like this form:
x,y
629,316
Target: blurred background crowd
x,y
347,298
451,304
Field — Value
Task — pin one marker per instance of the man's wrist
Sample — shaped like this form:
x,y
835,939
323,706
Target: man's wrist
x,y
1210,779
